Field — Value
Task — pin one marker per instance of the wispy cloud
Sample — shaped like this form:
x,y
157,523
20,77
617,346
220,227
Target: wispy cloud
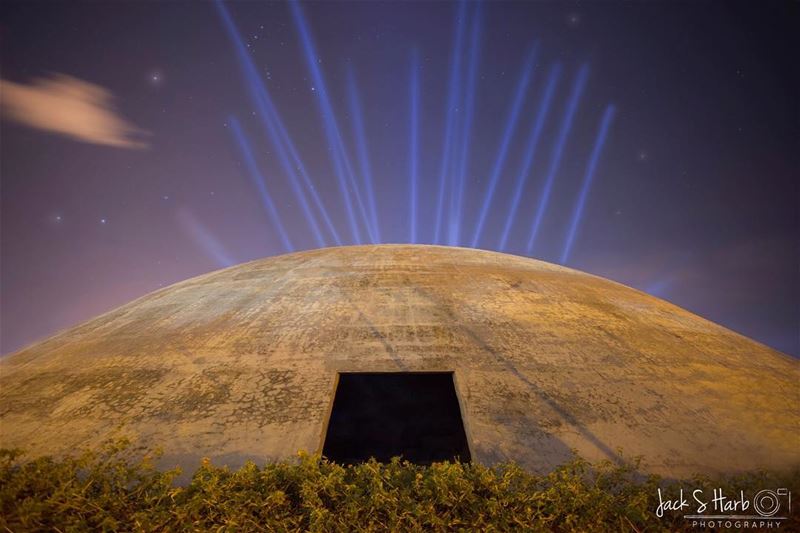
x,y
71,107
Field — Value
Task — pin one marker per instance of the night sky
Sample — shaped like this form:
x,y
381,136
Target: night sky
x,y
126,129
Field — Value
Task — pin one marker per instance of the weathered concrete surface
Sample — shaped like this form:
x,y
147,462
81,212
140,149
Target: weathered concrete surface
x,y
241,363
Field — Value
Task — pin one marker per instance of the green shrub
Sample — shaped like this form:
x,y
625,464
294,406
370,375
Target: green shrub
x,y
118,489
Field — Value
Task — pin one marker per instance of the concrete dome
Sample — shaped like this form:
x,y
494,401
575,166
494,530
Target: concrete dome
x,y
242,363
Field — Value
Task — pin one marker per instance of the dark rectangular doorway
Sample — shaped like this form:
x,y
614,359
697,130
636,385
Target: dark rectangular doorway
x,y
408,414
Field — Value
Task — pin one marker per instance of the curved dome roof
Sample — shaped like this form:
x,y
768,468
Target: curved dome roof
x,y
242,363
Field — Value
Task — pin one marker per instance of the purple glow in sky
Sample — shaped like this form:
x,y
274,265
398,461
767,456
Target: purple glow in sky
x,y
122,171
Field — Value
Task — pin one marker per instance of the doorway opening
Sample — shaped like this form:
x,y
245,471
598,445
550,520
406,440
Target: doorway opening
x,y
412,415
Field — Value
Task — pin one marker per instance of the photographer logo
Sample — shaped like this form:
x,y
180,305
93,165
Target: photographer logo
x,y
767,509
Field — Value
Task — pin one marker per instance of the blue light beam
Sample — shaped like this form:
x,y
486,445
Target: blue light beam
x,y
341,162
298,164
413,145
260,183
660,287
203,238
452,104
275,128
591,167
558,152
457,198
361,147
530,151
511,123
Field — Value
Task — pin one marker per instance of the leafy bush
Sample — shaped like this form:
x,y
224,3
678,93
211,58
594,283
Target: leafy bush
x,y
116,489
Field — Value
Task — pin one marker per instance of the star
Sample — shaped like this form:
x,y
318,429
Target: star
x,y
155,78
573,19
104,221
642,155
